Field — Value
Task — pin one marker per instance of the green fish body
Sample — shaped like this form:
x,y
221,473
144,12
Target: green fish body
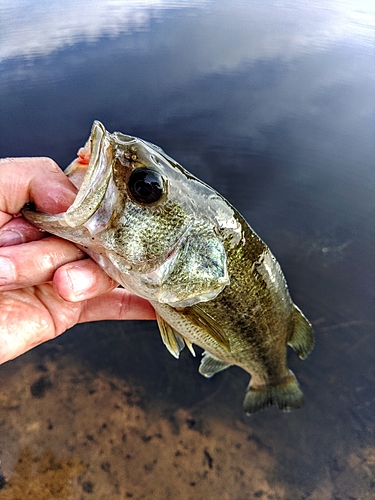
x,y
166,236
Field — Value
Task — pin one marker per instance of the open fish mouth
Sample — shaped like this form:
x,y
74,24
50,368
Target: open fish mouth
x,y
96,179
92,183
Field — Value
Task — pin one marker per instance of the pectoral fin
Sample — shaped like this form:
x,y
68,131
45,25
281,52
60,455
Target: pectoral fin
x,y
172,340
211,365
205,321
302,338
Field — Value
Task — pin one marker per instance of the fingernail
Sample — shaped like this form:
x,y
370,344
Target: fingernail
x,y
7,271
81,281
10,237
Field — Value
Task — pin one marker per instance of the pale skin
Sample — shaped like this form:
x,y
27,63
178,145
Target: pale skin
x,y
47,284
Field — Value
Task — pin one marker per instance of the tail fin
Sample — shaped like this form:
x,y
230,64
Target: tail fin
x,y
286,396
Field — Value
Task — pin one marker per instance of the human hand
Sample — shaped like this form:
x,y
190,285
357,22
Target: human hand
x,y
47,284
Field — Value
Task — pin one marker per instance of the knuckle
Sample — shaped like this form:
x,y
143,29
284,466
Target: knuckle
x,y
7,160
49,164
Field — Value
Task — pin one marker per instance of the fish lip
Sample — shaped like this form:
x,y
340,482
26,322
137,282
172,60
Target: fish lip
x,y
96,179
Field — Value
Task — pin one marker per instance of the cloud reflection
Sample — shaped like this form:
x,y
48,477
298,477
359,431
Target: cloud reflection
x,y
31,28
257,30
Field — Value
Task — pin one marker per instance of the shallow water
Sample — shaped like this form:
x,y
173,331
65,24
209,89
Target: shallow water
x,y
271,103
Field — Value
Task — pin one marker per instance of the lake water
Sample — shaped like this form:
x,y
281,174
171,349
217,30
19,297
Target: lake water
x,y
271,103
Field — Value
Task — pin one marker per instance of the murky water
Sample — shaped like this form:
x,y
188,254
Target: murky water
x,y
272,103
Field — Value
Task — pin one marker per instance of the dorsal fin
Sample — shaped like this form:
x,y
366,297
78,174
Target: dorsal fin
x,y
302,338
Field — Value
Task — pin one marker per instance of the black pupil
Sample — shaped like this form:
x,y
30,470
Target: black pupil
x,y
146,185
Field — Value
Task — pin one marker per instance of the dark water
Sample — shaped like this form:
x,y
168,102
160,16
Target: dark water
x,y
271,103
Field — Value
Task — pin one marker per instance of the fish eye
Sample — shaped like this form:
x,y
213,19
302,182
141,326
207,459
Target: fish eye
x,y
145,185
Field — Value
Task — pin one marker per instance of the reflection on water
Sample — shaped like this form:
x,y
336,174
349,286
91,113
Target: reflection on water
x,y
272,103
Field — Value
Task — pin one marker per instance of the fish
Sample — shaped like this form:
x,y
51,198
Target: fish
x,y
166,236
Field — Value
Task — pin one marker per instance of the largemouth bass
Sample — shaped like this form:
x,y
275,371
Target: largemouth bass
x,y
163,234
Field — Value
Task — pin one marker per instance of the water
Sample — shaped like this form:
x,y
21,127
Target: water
x,y
272,103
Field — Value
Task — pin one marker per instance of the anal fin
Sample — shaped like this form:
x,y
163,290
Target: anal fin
x,y
302,338
211,365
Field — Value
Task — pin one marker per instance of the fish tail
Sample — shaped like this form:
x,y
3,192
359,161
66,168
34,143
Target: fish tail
x,y
286,396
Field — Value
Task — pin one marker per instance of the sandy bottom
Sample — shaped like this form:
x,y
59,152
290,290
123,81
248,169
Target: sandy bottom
x,y
90,435
70,432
